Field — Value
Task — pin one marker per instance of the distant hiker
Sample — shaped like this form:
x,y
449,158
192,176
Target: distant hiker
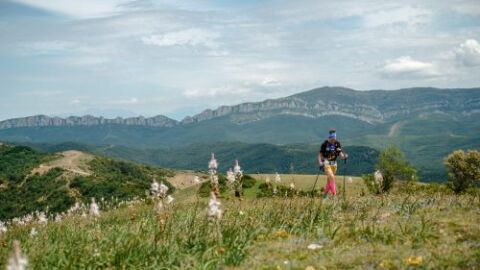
x,y
327,159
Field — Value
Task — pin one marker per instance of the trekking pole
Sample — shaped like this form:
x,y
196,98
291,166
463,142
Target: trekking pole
x,y
315,184
344,182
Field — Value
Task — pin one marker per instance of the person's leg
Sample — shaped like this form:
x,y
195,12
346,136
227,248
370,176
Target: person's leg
x,y
333,187
327,185
330,181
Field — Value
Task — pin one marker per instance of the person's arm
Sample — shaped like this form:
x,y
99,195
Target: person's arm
x,y
321,157
342,154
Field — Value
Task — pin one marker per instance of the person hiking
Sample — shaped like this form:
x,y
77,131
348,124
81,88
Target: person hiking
x,y
327,159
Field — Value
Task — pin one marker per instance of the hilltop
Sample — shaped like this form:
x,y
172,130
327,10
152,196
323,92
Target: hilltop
x,y
36,181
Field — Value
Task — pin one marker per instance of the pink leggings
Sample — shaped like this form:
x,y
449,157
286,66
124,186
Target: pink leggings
x,y
330,186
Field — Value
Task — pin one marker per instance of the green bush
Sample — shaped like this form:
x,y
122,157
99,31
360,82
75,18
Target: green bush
x,y
248,181
204,191
266,190
369,182
205,188
393,167
16,162
463,169
118,179
38,193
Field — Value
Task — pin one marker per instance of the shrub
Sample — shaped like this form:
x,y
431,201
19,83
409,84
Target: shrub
x,y
266,190
369,182
463,169
248,181
393,167
204,191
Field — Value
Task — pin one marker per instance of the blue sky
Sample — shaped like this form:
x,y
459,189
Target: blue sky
x,y
176,58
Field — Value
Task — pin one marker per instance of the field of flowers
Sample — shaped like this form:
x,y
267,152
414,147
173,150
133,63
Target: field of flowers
x,y
425,228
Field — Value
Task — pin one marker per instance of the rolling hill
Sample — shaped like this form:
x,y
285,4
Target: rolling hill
x,y
254,158
35,181
426,123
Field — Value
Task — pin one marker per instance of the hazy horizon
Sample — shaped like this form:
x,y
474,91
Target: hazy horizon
x,y
114,113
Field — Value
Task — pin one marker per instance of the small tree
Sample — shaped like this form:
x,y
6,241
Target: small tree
x,y
463,169
393,167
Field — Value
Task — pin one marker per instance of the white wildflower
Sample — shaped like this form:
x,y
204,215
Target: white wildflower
x,y
17,261
196,180
154,188
33,232
214,211
159,208
212,170
292,185
215,179
42,218
378,178
74,208
278,179
163,190
170,199
28,218
96,253
230,176
16,221
213,164
58,218
94,209
237,169
350,180
3,228
314,246
275,191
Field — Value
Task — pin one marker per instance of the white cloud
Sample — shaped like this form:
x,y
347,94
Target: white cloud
x,y
468,53
78,9
222,91
271,81
407,67
129,101
469,7
406,15
85,60
189,37
46,47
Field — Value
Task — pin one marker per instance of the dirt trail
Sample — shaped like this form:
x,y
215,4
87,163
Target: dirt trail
x,y
395,128
75,162
185,179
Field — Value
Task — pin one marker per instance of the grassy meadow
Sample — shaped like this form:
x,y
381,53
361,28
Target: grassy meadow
x,y
425,227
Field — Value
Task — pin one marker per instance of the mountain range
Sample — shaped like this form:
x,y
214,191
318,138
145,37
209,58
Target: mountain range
x,y
374,107
426,123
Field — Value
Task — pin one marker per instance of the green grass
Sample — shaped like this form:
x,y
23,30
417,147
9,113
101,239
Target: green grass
x,y
306,181
363,232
